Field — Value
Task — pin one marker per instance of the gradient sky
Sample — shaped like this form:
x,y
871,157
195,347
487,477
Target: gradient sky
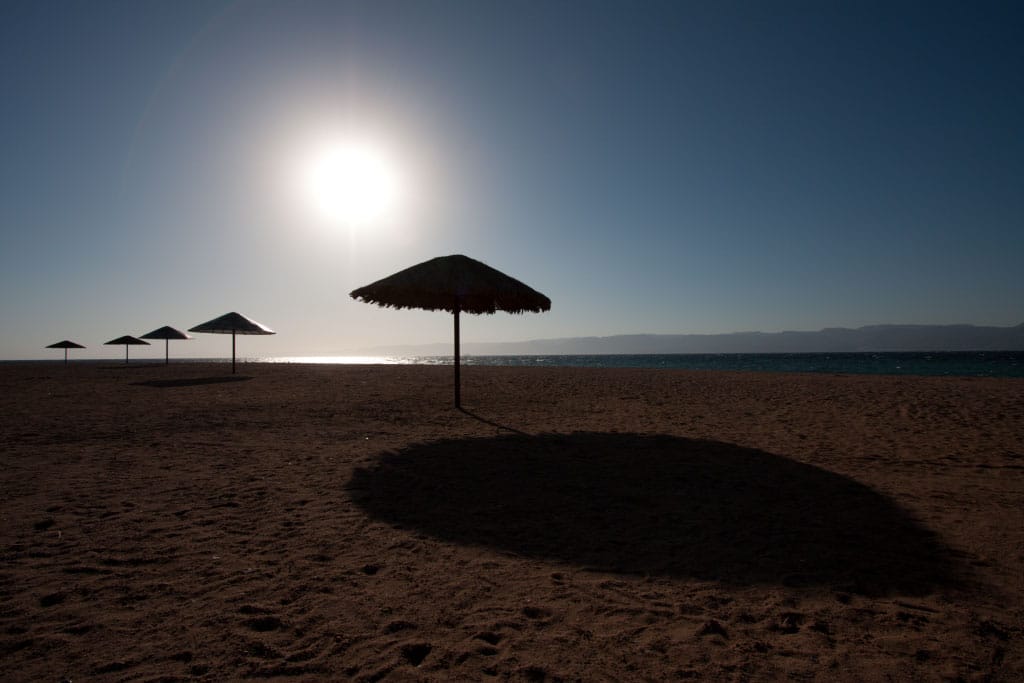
x,y
652,167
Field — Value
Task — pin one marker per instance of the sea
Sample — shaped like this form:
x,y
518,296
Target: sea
x,y
942,364
934,363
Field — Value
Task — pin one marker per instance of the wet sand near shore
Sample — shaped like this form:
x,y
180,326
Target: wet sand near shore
x,y
308,522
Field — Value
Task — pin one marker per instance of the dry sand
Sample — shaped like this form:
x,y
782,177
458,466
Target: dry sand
x,y
317,522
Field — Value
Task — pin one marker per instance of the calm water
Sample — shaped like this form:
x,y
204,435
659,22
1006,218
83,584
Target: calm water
x,y
973,364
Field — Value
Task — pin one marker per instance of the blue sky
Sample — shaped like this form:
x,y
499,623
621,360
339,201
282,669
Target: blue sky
x,y
652,167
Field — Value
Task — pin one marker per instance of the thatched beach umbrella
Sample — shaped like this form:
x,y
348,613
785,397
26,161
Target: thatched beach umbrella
x,y
166,333
232,323
65,345
127,340
457,284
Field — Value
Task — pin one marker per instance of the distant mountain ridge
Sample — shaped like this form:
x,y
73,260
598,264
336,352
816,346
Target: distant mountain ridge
x,y
872,338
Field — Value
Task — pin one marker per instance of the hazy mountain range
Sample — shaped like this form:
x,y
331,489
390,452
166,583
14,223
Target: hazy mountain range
x,y
829,340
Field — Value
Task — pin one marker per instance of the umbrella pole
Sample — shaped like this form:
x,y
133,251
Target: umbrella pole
x,y
167,353
65,356
126,354
458,387
232,352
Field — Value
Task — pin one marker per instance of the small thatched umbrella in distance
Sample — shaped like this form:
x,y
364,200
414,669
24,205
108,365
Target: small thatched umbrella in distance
x,y
127,340
65,345
166,333
457,284
232,323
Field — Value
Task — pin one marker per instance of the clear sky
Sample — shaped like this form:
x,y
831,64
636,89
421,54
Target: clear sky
x,y
676,167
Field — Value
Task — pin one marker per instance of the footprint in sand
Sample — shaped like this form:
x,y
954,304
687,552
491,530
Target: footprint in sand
x,y
264,624
713,628
261,621
400,625
52,599
489,639
536,613
415,653
789,622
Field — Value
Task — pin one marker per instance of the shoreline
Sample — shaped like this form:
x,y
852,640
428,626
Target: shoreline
x,y
1008,364
328,521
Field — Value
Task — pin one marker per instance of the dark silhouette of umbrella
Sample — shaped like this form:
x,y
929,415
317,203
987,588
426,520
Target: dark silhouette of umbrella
x,y
232,323
127,340
65,345
457,284
166,333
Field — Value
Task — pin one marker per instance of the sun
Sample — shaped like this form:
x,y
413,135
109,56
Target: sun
x,y
351,182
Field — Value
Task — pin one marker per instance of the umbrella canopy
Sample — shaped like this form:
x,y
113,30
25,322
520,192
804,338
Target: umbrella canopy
x,y
65,345
166,333
127,340
232,323
455,284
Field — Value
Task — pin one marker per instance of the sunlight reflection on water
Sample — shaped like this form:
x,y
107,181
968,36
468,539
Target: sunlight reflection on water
x,y
339,360
965,364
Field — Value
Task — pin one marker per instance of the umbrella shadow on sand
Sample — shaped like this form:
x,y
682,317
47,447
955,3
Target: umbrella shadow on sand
x,y
490,423
658,505
189,381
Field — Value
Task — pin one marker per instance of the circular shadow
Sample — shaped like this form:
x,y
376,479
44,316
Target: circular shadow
x,y
663,505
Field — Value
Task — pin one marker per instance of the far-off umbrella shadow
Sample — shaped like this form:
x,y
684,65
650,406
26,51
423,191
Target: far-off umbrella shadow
x,y
456,284
190,381
659,505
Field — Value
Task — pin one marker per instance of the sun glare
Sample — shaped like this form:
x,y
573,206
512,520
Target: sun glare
x,y
351,183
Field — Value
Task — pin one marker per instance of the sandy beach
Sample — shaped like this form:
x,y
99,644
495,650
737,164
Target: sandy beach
x,y
346,522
